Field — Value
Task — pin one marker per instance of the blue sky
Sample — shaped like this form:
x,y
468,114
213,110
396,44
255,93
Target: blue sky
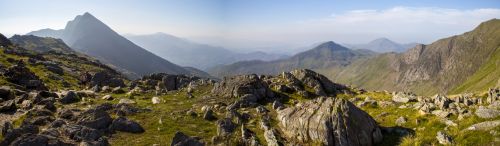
x,y
260,24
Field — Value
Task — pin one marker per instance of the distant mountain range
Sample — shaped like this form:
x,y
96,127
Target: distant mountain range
x,y
187,53
382,45
326,55
89,35
462,63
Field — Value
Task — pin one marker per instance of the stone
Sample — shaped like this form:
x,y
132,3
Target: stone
x,y
441,113
126,101
5,93
181,139
400,121
487,125
322,85
403,97
95,118
79,132
487,113
331,121
69,97
441,101
238,86
118,90
444,138
155,100
31,140
261,109
107,97
125,125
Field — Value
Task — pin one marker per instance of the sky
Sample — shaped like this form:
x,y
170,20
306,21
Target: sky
x,y
266,25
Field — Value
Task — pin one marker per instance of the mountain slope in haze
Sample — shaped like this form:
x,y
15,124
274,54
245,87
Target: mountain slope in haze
x,y
463,63
187,53
40,44
89,35
325,55
382,45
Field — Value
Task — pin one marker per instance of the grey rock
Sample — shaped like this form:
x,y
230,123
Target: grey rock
x,y
487,113
95,118
330,121
126,101
209,115
70,97
125,125
403,97
487,125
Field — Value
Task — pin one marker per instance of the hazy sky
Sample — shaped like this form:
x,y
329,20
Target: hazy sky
x,y
276,24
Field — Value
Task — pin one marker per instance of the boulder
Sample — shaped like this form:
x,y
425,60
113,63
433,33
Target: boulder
x,y
332,121
7,106
5,93
21,75
118,90
321,84
107,97
487,125
238,86
69,97
487,113
31,140
95,118
79,132
126,101
125,125
441,101
181,139
403,97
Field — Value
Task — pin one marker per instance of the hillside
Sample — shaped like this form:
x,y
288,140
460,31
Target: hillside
x,y
89,35
47,63
325,55
461,63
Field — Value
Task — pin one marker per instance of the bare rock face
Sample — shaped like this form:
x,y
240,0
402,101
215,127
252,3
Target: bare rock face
x,y
329,120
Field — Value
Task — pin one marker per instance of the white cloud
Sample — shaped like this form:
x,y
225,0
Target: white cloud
x,y
402,24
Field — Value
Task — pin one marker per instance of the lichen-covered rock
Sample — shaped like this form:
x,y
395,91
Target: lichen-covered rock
x,y
321,84
403,97
332,121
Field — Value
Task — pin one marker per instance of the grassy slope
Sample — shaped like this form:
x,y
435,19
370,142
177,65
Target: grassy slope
x,y
486,77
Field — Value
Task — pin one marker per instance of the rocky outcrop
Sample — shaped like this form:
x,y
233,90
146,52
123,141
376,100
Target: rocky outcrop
x,y
101,79
322,85
331,121
237,86
167,82
21,75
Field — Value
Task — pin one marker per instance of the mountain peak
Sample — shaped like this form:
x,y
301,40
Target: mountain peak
x,y
330,45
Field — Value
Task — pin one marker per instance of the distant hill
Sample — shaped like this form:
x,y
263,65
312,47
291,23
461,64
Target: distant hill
x,y
325,55
383,45
89,35
187,53
40,44
461,63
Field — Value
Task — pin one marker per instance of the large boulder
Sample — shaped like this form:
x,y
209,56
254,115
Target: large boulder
x,y
403,97
486,113
95,118
69,97
321,84
332,121
125,125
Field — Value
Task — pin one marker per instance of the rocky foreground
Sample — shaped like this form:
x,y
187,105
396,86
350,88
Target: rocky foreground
x,y
300,107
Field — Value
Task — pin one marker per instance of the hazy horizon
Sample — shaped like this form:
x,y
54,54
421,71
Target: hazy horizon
x,y
271,26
